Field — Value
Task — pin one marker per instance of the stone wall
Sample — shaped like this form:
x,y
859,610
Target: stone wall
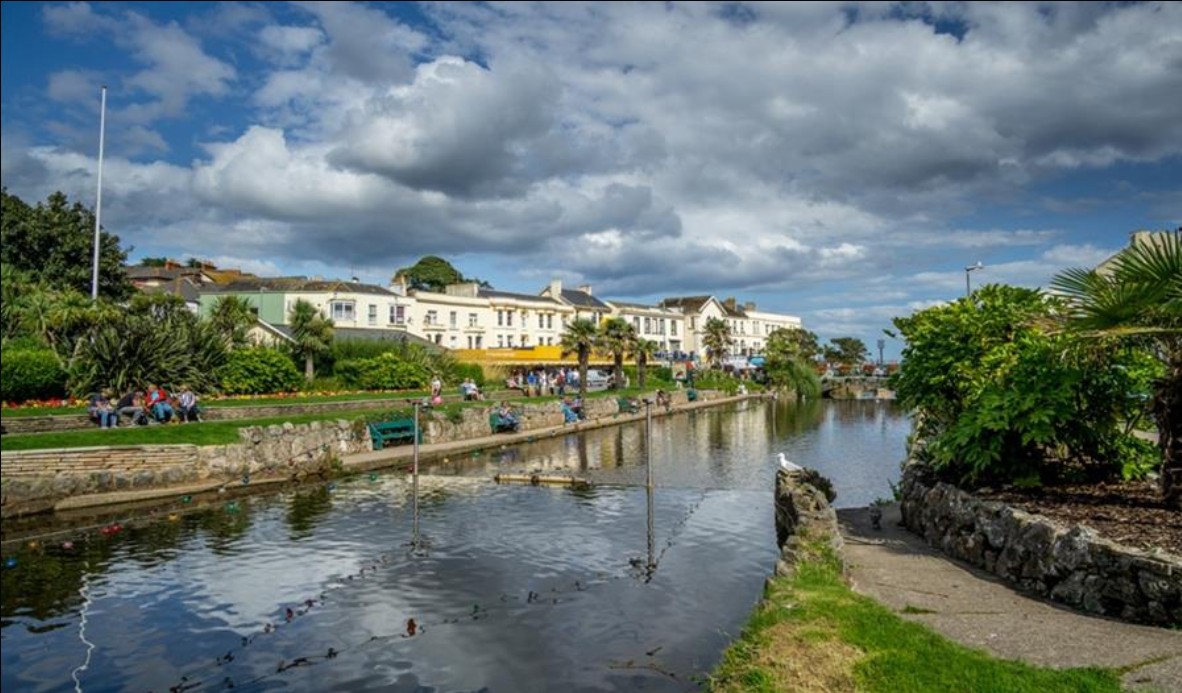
x,y
802,514
38,479
1073,565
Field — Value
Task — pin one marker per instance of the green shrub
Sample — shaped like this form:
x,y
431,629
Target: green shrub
x,y
384,372
259,370
468,370
30,374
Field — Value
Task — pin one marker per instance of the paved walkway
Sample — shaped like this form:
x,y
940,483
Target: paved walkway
x,y
972,607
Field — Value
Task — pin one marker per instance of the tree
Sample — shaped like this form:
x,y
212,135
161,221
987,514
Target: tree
x,y
311,333
846,351
54,242
579,338
717,340
999,397
616,336
788,361
643,350
1137,301
432,273
232,316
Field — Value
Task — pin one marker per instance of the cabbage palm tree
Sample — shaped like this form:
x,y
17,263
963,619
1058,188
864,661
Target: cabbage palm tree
x,y
579,339
643,350
311,333
616,337
1136,298
717,340
231,317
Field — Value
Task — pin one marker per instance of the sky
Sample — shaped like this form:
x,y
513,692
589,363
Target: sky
x,y
843,162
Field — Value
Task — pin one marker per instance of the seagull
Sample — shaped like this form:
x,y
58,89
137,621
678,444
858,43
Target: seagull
x,y
789,466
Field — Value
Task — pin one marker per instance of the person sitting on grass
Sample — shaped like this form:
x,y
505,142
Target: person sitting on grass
x,y
102,411
187,405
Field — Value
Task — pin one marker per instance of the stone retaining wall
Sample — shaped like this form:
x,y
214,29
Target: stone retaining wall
x,y
37,479
802,514
1073,565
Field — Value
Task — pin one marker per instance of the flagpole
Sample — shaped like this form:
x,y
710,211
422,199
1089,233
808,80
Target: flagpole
x,y
98,207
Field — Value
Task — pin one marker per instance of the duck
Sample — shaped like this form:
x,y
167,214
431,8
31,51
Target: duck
x,y
788,466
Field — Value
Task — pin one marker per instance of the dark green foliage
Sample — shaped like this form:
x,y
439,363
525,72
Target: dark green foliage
x,y
1000,397
30,373
469,370
433,273
258,370
54,243
384,372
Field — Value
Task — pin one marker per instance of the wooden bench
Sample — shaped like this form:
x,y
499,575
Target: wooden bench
x,y
500,424
627,406
396,430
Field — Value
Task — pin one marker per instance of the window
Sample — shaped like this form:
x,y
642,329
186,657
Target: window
x,y
510,341
472,320
452,319
500,341
500,318
470,341
648,325
479,342
342,311
432,318
541,321
373,313
439,339
673,327
550,321
509,319
662,330
397,315
636,324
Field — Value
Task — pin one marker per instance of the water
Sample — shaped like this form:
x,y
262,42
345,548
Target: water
x,y
508,588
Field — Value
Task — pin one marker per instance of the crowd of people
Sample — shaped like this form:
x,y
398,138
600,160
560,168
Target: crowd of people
x,y
142,407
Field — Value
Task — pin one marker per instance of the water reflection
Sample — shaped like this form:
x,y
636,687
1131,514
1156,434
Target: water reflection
x,y
522,588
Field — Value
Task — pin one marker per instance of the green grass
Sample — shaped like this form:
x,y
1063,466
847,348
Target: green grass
x,y
813,633
205,433
262,401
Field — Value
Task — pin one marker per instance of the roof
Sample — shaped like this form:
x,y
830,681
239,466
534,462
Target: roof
x,y
493,293
369,334
184,287
582,299
690,304
298,284
732,312
139,273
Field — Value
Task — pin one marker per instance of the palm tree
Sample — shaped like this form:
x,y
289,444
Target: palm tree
x,y
311,333
231,317
616,337
643,350
1137,299
717,340
579,339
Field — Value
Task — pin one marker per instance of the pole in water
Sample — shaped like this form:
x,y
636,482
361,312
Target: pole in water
x,y
648,491
98,205
415,482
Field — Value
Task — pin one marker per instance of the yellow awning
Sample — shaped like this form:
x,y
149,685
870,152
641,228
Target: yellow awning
x,y
525,356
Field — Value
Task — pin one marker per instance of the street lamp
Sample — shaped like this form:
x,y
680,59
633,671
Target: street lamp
x,y
968,289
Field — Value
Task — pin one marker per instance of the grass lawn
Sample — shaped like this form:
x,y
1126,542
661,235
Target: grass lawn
x,y
813,633
260,401
204,433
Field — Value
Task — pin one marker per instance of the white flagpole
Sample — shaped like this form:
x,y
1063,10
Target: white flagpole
x,y
98,207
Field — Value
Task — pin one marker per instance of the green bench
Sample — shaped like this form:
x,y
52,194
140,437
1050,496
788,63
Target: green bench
x,y
396,430
500,424
627,406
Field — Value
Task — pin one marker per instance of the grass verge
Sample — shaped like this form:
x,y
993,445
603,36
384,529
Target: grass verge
x,y
813,633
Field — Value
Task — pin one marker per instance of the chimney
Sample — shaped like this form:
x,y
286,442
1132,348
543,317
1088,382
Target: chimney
x,y
466,289
356,280
749,305
555,288
729,303
586,288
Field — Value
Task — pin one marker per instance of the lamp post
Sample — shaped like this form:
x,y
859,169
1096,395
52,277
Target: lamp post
x,y
968,289
98,205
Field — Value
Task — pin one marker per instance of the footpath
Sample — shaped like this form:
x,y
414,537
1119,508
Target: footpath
x,y
971,607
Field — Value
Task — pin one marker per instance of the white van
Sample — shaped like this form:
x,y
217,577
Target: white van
x,y
598,379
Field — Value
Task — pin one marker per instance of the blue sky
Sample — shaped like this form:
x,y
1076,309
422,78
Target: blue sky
x,y
839,161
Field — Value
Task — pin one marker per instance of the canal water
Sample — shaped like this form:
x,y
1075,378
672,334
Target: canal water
x,y
495,587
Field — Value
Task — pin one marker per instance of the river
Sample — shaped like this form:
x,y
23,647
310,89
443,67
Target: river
x,y
339,586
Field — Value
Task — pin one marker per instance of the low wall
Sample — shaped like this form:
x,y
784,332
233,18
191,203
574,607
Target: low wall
x,y
802,514
38,479
1073,565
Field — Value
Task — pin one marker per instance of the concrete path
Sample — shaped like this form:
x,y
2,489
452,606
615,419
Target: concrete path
x,y
976,609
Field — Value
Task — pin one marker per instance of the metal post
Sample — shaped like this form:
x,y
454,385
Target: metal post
x,y
968,289
415,479
98,206
648,455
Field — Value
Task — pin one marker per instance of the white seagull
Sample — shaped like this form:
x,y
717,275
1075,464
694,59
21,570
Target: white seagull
x,y
789,466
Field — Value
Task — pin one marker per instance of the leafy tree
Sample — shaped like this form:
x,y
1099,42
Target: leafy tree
x,y
846,351
580,339
717,340
432,273
153,262
616,336
1138,302
787,364
643,350
232,317
1000,398
54,242
311,333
